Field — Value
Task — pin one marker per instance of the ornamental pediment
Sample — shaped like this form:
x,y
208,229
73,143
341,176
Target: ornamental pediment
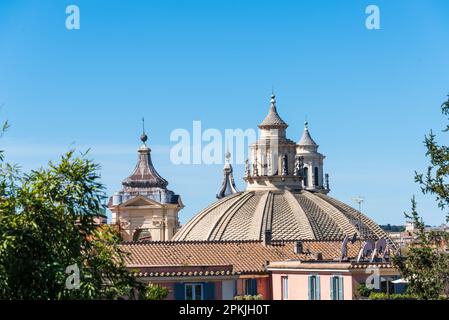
x,y
140,201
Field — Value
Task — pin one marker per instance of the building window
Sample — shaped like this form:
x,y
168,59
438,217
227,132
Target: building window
x,y
314,287
194,291
315,173
306,177
336,287
284,285
251,287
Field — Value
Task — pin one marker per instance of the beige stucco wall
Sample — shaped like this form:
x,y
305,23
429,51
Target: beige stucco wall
x,y
161,221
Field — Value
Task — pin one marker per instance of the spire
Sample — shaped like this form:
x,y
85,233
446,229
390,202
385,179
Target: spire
x,y
273,120
144,136
228,183
306,139
144,174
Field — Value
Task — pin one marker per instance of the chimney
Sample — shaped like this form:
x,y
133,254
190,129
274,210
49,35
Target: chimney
x,y
298,247
318,256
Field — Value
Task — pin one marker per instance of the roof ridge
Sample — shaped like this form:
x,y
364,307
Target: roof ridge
x,y
282,241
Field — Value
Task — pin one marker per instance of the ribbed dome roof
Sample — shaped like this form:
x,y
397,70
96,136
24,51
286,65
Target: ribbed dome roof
x,y
288,215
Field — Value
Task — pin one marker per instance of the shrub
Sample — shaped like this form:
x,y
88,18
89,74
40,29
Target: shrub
x,y
155,292
249,297
363,291
394,296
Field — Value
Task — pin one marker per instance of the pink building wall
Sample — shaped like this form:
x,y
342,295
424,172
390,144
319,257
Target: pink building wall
x,y
298,285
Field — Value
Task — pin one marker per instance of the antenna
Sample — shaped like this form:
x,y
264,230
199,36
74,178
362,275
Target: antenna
x,y
359,201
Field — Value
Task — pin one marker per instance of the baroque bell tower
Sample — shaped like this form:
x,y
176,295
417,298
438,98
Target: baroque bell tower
x,y
313,174
145,209
277,162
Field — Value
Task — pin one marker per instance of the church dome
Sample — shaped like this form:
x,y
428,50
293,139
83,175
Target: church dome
x,y
285,199
283,214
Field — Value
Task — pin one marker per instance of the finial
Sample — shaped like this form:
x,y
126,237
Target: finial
x,y
144,136
306,123
227,153
273,100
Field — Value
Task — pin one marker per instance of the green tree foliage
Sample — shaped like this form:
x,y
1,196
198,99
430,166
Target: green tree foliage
x,y
155,292
426,264
392,228
249,297
47,224
363,291
384,296
436,179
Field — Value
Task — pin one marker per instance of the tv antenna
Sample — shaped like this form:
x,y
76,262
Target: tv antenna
x,y
359,201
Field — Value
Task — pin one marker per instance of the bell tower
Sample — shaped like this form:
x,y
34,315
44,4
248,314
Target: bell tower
x,y
273,164
314,178
145,209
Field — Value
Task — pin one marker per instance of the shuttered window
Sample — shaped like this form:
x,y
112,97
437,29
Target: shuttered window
x,y
194,291
314,287
336,288
251,287
284,284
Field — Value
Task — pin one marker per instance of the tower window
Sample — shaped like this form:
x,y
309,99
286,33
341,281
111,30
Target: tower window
x,y
315,173
306,177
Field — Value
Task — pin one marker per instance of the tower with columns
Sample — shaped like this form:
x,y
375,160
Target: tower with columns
x,y
313,175
277,162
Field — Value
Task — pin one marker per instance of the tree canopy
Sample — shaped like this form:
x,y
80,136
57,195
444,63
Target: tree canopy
x,y
426,264
51,246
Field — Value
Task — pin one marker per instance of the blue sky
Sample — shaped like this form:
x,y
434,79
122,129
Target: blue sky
x,y
369,95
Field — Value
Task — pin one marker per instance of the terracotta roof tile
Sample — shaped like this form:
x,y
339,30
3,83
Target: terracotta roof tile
x,y
243,256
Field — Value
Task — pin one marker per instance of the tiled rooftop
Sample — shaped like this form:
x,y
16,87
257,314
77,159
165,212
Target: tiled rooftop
x,y
243,256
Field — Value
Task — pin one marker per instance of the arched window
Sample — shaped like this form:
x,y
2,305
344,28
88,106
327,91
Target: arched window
x,y
315,173
306,177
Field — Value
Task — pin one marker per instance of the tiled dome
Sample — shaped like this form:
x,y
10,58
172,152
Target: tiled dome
x,y
286,215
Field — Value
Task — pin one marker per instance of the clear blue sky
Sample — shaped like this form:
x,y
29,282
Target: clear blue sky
x,y
369,95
